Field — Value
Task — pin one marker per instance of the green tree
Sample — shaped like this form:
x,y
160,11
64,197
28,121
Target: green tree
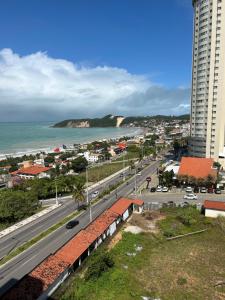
x,y
79,164
79,193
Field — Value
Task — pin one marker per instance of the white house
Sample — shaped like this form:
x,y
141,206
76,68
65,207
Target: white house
x,y
91,157
214,209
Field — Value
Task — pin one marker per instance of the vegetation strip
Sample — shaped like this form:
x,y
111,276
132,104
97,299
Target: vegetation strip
x,y
36,239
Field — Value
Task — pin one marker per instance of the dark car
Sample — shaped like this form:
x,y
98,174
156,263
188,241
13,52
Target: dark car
x,y
72,224
217,191
210,190
196,189
152,190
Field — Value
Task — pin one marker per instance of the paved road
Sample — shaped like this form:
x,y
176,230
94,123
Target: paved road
x,y
26,261
27,232
178,197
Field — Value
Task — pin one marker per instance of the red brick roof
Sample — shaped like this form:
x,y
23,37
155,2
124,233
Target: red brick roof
x,y
216,205
33,170
197,167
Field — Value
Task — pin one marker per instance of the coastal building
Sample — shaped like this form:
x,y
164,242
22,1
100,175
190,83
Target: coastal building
x,y
208,80
32,172
91,157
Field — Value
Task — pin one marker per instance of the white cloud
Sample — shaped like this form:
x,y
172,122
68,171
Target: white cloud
x,y
39,87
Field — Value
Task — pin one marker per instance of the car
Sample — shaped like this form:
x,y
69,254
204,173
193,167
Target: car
x,y
171,204
190,197
196,189
185,204
152,190
189,189
72,224
95,194
203,190
122,174
217,191
139,173
159,188
210,190
165,189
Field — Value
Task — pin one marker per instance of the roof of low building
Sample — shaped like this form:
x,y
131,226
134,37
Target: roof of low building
x,y
33,170
123,204
215,205
197,167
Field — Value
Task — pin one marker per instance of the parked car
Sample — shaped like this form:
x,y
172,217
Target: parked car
x,y
152,190
165,189
95,194
196,189
210,190
159,188
72,224
171,204
190,197
203,190
185,204
189,189
217,191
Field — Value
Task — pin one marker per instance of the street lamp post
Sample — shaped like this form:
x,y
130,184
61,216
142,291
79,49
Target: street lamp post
x,y
135,182
56,194
87,195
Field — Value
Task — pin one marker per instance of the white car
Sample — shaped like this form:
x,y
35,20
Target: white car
x,y
190,197
159,188
139,173
95,194
189,189
165,189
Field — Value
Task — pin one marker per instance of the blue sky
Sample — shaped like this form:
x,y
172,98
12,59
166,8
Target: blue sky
x,y
145,45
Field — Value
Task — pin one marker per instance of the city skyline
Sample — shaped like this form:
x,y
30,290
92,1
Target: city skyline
x,y
119,63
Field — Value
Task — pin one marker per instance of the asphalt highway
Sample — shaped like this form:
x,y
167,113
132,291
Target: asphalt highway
x,y
27,232
22,264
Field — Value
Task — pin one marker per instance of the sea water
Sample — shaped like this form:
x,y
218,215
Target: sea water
x,y
21,138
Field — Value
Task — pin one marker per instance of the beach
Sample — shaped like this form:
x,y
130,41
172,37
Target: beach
x,y
18,139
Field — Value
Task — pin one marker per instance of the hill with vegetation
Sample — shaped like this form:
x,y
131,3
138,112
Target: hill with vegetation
x,y
112,121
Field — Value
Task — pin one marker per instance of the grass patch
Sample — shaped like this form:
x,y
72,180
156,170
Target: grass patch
x,y
98,173
187,268
36,239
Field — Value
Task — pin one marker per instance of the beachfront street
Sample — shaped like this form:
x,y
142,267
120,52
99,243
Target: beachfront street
x,y
26,261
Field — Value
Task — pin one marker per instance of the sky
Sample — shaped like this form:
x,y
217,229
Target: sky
x,y
63,59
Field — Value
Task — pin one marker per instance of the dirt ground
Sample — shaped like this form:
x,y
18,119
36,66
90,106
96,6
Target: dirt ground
x,y
147,221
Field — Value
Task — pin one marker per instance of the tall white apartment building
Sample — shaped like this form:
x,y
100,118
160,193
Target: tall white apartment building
x,y
208,80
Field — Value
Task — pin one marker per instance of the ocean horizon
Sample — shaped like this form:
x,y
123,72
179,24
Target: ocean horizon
x,y
18,138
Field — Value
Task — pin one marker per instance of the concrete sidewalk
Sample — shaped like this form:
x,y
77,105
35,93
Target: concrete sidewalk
x,y
28,220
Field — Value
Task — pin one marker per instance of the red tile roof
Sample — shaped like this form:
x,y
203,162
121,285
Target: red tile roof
x,y
197,167
216,205
123,204
33,170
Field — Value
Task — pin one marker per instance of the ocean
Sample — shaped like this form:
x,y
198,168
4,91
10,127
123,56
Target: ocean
x,y
21,138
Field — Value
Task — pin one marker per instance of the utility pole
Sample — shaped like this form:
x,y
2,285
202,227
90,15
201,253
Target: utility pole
x,y
56,193
87,195
123,169
135,182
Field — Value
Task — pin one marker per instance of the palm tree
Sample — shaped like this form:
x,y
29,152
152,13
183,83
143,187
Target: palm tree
x,y
79,193
132,165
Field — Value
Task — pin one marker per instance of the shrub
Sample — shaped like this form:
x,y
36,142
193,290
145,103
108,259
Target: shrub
x,y
101,261
181,281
